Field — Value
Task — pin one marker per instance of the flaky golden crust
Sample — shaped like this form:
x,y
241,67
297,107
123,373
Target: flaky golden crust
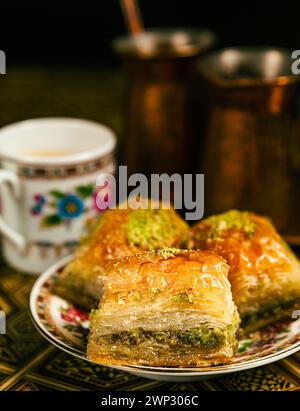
x,y
263,270
167,308
116,234
169,269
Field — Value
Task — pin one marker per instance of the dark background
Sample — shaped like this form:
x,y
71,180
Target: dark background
x,y
54,32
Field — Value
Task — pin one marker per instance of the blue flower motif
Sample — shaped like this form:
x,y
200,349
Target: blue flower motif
x,y
70,206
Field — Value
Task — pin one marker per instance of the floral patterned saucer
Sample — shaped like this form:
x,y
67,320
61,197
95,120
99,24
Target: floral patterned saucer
x,y
67,327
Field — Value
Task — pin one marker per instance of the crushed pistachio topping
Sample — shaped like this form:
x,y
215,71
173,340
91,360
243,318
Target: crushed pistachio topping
x,y
168,252
153,229
184,297
233,219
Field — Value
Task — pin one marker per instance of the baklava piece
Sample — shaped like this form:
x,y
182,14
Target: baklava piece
x,y
166,308
264,272
117,233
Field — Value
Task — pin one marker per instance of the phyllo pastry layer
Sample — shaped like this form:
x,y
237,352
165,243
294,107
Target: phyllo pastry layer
x,y
117,233
264,272
166,308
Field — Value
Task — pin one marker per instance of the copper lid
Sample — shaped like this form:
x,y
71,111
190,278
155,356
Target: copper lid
x,y
165,43
248,66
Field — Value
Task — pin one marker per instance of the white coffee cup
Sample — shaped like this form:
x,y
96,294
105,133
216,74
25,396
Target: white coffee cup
x,y
47,186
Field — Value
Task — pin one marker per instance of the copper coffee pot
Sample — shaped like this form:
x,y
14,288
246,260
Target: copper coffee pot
x,y
161,117
251,158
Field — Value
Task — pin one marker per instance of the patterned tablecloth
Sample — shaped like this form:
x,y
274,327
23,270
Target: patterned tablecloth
x,y
27,361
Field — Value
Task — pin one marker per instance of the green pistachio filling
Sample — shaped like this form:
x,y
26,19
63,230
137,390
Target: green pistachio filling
x,y
153,229
231,220
269,314
204,337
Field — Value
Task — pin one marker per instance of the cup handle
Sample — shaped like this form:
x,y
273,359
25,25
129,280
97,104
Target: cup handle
x,y
8,177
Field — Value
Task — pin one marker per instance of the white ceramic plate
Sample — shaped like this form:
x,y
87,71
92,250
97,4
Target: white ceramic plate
x,y
66,327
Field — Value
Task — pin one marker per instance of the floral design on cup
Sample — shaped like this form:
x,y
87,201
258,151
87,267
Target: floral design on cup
x,y
70,206
55,207
39,201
